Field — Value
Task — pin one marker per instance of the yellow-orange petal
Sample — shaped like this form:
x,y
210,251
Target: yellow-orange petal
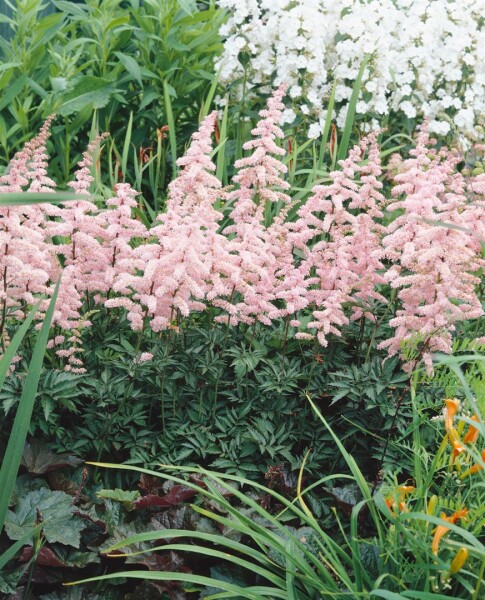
x,y
438,534
471,435
404,490
452,405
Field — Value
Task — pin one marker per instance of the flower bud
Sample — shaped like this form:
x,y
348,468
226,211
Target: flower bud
x,y
460,559
433,502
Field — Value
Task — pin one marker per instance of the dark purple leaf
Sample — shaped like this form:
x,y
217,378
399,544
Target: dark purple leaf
x,y
45,557
177,495
38,459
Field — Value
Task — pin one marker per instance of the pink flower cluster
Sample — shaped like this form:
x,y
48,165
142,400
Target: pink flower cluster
x,y
327,266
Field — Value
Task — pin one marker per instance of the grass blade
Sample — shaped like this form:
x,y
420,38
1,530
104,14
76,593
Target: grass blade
x,y
255,593
19,544
210,97
221,165
326,127
126,148
15,343
171,128
18,435
349,121
27,198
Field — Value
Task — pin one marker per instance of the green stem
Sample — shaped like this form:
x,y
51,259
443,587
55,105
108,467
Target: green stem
x,y
479,581
379,323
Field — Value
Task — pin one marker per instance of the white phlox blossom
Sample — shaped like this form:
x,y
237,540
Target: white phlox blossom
x,y
426,56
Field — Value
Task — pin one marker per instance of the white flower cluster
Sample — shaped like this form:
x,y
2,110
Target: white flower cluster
x,y
427,56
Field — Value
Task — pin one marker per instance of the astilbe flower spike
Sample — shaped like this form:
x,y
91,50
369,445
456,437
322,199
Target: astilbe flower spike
x,y
27,260
189,256
433,265
342,256
83,256
259,183
120,229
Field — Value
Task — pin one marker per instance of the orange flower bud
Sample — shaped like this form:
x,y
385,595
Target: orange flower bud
x,y
474,469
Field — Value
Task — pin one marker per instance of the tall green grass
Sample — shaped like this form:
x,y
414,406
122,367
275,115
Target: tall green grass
x,y
18,435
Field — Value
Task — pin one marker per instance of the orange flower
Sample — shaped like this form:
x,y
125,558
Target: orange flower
x,y
441,530
452,405
455,441
403,490
471,435
474,469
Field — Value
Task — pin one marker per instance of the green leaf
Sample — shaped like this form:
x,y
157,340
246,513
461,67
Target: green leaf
x,y
39,459
126,498
188,6
27,198
56,512
171,127
131,66
349,121
13,91
88,91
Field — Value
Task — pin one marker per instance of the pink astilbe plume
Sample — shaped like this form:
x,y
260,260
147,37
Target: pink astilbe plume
x,y
259,183
26,258
83,256
120,230
189,255
474,216
27,171
342,255
433,265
